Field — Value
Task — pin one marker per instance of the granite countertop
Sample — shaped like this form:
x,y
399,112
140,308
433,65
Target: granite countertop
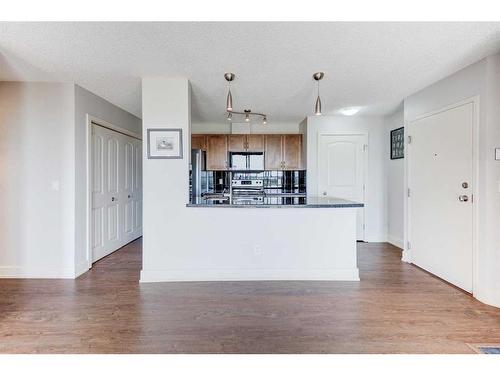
x,y
311,202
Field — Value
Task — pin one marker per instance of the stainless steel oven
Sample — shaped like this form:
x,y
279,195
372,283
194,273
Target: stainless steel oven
x,y
247,191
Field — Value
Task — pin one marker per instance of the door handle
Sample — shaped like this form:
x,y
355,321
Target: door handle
x,y
324,193
112,199
129,196
463,198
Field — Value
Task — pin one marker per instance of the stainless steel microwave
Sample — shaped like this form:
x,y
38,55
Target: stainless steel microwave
x,y
246,161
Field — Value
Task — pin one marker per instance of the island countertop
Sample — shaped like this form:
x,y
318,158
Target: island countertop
x,y
309,202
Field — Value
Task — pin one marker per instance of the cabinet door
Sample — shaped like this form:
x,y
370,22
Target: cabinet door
x,y
237,142
198,141
273,152
292,149
255,142
216,152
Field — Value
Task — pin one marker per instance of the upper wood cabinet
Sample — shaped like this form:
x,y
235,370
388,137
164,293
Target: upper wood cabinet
x,y
217,152
237,142
255,142
246,142
283,152
199,141
292,151
273,157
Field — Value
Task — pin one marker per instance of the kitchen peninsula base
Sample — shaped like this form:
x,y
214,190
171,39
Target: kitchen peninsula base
x,y
297,243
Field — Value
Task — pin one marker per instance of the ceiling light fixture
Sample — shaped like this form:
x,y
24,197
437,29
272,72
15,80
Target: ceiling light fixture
x,y
229,104
349,111
317,108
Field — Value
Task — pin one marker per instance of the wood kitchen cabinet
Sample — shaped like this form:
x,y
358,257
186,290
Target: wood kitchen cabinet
x,y
199,141
246,142
273,157
255,142
237,142
292,151
283,152
217,148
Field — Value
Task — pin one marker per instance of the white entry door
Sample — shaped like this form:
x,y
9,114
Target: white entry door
x,y
116,191
341,170
440,182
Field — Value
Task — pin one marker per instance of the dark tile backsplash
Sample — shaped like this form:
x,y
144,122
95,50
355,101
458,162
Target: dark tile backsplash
x,y
274,181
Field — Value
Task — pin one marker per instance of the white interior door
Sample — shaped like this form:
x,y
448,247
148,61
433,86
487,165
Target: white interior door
x,y
341,170
440,182
116,191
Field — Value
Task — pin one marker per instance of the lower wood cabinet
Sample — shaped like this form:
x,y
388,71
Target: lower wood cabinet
x,y
217,152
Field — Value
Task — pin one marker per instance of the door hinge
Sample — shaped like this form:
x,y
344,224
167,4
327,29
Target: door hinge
x,y
409,139
408,245
472,198
365,147
408,193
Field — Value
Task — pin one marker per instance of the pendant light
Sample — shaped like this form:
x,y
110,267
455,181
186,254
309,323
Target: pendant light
x,y
229,100
317,108
229,104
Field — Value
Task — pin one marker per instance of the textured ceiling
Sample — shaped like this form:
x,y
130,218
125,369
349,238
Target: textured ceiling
x,y
372,65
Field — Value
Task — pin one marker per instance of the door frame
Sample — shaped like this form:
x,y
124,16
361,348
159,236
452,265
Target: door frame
x,y
365,166
474,100
91,120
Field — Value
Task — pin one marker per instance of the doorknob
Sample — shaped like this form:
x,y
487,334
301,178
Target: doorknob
x,y
324,193
112,199
129,195
463,198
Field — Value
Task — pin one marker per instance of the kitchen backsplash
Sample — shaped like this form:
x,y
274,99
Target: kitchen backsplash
x,y
274,181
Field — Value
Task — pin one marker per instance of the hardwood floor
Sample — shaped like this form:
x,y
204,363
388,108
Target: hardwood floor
x,y
395,308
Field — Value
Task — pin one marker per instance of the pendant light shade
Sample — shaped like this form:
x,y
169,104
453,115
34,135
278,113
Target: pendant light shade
x,y
229,101
317,107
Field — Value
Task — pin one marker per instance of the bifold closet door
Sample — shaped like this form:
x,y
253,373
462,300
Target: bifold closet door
x,y
116,191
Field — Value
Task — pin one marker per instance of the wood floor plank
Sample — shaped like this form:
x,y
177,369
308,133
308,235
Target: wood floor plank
x,y
395,308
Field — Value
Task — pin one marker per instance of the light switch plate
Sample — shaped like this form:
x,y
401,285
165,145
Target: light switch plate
x,y
497,154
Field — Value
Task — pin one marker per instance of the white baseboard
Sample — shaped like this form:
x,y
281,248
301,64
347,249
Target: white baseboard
x,y
81,268
172,275
31,272
398,242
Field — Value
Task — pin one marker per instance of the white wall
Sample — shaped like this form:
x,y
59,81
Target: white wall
x,y
483,80
43,177
395,185
37,183
189,243
374,126
87,103
224,127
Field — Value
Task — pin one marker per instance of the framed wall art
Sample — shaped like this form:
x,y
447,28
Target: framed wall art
x,y
398,143
164,143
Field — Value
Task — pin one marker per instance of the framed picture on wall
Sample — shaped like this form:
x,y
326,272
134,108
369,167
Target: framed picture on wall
x,y
398,143
164,143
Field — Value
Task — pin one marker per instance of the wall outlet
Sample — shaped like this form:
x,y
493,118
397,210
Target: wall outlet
x,y
257,249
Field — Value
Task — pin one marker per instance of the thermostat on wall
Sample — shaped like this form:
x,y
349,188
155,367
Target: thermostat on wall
x,y
497,154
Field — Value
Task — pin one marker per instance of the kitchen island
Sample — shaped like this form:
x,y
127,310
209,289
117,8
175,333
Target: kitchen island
x,y
313,240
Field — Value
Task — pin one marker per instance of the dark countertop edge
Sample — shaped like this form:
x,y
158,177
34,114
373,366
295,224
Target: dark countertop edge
x,y
333,205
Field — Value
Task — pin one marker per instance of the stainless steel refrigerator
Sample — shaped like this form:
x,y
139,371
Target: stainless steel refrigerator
x,y
198,174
